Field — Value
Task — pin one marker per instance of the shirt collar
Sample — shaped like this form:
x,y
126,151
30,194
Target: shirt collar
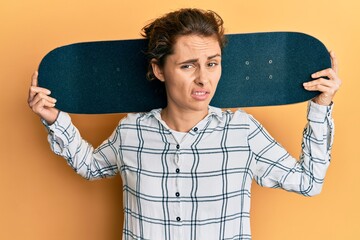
x,y
213,111
216,112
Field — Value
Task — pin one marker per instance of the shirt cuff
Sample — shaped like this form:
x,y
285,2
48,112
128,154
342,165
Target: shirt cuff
x,y
319,113
59,131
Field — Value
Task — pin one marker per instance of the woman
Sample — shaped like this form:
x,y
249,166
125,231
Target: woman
x,y
187,169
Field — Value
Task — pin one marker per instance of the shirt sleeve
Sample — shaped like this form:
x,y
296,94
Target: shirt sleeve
x,y
277,169
66,141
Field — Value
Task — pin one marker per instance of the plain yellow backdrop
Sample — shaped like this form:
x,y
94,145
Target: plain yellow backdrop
x,y
42,198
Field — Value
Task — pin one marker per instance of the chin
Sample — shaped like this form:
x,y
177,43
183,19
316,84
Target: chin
x,y
202,106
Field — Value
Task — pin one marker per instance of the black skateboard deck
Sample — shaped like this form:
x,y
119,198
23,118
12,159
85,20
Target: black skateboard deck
x,y
258,69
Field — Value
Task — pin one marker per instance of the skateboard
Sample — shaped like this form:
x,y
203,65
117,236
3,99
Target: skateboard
x,y
258,69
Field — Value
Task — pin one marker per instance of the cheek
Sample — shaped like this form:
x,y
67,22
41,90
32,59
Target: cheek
x,y
216,76
174,83
178,78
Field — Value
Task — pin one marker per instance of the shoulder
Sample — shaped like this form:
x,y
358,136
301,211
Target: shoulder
x,y
141,118
231,116
234,119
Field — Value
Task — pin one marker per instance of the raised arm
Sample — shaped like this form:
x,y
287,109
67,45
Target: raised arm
x,y
65,139
275,167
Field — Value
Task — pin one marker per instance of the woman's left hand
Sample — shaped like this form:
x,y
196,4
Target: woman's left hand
x,y
327,87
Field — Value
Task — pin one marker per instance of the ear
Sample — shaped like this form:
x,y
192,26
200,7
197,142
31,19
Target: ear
x,y
158,72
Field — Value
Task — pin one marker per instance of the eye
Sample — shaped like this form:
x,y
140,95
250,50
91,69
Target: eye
x,y
186,66
212,64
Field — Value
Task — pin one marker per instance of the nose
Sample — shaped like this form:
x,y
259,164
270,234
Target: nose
x,y
201,78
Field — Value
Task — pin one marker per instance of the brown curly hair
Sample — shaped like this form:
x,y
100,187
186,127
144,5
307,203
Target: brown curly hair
x,y
163,32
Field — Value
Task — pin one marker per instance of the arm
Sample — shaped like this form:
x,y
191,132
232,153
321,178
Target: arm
x,y
66,141
276,168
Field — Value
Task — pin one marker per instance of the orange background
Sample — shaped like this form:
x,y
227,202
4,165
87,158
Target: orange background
x,y
42,198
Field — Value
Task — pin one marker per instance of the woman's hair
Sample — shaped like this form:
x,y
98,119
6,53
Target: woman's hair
x,y
163,32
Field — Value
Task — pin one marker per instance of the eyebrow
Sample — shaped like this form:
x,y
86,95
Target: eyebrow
x,y
196,59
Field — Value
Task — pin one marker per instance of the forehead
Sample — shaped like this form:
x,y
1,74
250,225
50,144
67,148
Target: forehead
x,y
191,44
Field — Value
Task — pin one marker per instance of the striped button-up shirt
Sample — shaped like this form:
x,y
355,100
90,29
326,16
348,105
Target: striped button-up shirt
x,y
199,186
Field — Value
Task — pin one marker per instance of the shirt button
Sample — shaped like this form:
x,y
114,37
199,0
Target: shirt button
x,y
177,194
178,219
177,170
195,129
177,146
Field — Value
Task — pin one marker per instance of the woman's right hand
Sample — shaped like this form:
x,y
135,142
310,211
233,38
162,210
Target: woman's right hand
x,y
40,102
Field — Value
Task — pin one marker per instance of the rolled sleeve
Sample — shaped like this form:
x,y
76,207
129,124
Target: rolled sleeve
x,y
319,113
320,116
275,166
65,140
60,132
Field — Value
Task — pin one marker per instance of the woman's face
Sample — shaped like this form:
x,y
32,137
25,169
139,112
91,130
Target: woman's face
x,y
191,73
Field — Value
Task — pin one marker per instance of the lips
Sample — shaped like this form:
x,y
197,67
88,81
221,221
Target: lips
x,y
200,94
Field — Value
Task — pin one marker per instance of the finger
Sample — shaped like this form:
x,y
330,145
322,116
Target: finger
x,y
46,103
319,87
40,90
329,73
325,98
40,97
327,87
34,79
39,105
320,81
33,91
317,82
35,101
334,62
33,83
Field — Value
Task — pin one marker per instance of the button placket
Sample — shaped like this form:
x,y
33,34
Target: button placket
x,y
177,171
177,157
177,194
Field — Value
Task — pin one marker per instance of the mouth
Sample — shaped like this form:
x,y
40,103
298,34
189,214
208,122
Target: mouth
x,y
200,95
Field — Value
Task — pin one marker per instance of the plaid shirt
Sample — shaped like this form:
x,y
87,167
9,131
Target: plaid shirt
x,y
198,188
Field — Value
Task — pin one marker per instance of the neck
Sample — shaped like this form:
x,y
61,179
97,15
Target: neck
x,y
182,121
